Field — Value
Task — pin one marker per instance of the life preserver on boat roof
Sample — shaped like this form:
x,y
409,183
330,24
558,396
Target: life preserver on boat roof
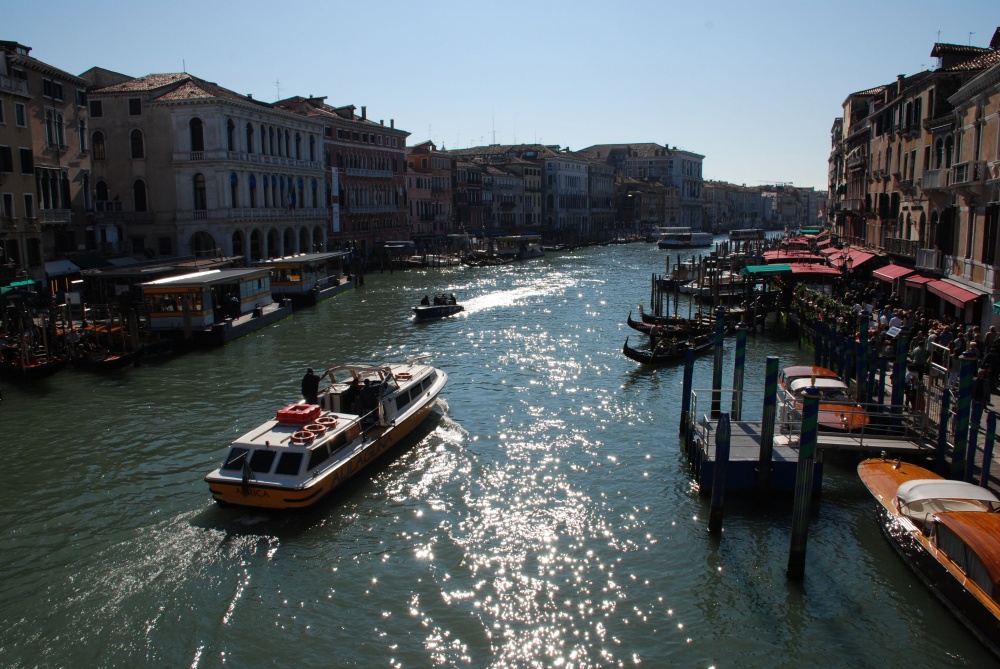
x,y
404,376
327,421
302,437
299,414
315,429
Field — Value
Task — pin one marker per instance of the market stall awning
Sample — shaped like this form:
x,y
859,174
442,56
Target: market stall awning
x,y
857,258
766,270
996,307
917,280
54,268
950,292
892,272
22,285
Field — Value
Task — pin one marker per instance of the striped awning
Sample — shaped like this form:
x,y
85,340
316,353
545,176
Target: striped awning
x,y
917,280
952,293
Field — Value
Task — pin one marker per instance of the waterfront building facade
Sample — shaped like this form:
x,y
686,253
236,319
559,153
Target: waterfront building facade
x,y
503,200
468,196
365,184
183,166
910,176
429,189
44,167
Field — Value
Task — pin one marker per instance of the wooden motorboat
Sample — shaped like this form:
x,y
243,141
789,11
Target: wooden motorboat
x,y
32,367
441,307
668,351
838,412
948,532
308,450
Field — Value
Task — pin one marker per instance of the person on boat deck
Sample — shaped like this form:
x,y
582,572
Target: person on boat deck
x,y
310,386
368,398
426,301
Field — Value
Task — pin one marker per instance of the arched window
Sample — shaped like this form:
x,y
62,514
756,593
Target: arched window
x,y
83,133
230,135
97,142
312,148
135,140
101,191
50,136
200,194
139,195
938,153
288,143
197,134
270,140
234,190
266,184
60,130
298,146
252,182
315,196
249,137
949,150
302,195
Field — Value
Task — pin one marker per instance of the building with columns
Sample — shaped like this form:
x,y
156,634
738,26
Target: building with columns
x,y
44,166
183,166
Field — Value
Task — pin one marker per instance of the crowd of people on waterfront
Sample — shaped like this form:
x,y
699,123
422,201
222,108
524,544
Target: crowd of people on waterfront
x,y
931,338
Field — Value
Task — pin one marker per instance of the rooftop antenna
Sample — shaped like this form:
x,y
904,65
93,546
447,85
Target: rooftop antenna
x,y
184,67
493,120
939,36
970,37
277,88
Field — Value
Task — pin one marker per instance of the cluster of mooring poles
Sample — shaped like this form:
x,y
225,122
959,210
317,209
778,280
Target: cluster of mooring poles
x,y
852,359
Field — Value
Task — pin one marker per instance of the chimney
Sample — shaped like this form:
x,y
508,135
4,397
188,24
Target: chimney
x,y
364,112
249,96
899,84
381,121
392,123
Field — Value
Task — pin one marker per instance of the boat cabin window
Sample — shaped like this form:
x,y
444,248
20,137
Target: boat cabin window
x,y
289,464
235,458
262,460
966,559
402,400
318,456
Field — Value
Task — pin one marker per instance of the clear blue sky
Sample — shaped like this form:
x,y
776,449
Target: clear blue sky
x,y
754,86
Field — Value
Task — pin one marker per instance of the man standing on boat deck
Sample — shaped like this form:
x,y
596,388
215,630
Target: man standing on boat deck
x,y
310,386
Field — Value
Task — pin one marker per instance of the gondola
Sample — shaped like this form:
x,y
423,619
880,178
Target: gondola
x,y
37,368
669,352
100,361
680,327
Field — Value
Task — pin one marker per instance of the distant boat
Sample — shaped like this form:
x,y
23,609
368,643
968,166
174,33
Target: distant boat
x,y
441,307
683,238
668,351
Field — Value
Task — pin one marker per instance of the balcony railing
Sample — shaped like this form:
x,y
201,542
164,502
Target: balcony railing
x,y
8,223
929,259
935,179
54,216
13,85
379,174
906,248
967,173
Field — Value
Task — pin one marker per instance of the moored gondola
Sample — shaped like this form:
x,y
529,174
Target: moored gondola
x,y
672,327
669,351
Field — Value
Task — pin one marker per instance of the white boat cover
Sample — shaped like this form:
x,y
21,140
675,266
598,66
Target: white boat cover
x,y
924,489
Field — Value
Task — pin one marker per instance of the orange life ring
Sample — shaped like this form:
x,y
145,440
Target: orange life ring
x,y
302,437
404,376
327,421
315,429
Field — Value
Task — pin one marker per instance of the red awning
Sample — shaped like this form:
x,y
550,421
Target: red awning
x,y
951,293
830,251
917,280
892,272
857,258
792,256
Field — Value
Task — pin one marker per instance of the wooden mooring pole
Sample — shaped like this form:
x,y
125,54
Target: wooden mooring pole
x,y
991,435
741,359
722,437
686,392
720,332
963,407
804,484
767,425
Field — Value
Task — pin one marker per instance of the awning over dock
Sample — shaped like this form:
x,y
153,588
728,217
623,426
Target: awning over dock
x,y
759,271
951,292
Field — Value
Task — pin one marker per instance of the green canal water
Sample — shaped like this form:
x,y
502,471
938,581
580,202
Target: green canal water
x,y
544,517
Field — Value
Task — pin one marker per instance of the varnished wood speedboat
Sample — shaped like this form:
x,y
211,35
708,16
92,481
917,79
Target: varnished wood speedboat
x,y
948,532
308,450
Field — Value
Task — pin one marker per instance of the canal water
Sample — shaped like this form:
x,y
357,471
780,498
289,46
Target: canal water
x,y
544,517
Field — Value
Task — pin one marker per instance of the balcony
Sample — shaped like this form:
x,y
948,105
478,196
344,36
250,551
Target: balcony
x,y
13,85
928,259
856,162
8,223
378,174
935,179
854,204
104,209
55,216
904,248
969,173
